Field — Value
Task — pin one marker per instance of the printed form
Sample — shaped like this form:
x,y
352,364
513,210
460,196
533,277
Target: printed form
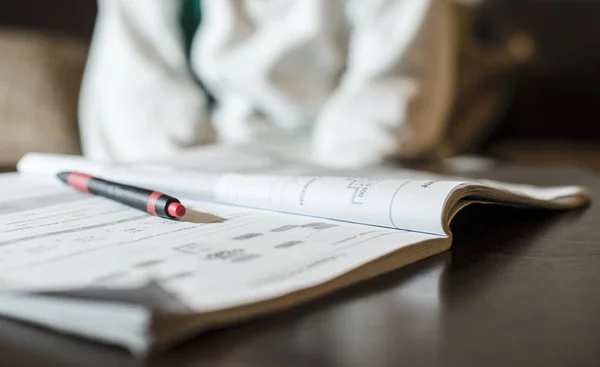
x,y
53,238
393,203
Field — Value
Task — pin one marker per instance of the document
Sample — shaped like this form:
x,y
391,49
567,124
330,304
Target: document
x,y
63,245
257,238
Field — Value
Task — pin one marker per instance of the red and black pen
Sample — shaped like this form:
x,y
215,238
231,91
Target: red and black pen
x,y
152,202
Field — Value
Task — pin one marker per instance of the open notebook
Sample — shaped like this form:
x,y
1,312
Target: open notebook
x,y
261,237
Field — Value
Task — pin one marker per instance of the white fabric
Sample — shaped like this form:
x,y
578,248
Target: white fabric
x,y
357,80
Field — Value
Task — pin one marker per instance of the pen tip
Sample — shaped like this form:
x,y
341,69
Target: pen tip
x,y
63,176
176,210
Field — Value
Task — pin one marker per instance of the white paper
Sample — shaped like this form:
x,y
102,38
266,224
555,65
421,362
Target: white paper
x,y
402,204
53,238
117,323
410,204
80,241
391,198
535,192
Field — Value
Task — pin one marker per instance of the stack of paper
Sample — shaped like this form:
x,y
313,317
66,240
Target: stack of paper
x,y
256,239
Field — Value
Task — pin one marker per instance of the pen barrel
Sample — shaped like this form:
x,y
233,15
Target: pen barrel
x,y
153,202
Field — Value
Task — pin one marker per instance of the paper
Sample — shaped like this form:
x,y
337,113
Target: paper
x,y
391,198
410,204
201,168
240,243
74,241
402,204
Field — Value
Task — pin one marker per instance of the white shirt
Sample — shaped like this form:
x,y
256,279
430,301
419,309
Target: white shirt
x,y
355,81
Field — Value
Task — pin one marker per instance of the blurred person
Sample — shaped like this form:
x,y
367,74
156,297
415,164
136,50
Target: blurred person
x,y
355,81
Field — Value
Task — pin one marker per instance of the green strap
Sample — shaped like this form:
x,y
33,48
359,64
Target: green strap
x,y
190,17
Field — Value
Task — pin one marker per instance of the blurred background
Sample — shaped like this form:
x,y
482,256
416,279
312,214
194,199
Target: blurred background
x,y
541,108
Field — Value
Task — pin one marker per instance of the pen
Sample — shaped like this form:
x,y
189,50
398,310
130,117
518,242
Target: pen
x,y
153,202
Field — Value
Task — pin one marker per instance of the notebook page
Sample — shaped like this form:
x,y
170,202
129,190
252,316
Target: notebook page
x,y
410,204
73,241
394,203
391,198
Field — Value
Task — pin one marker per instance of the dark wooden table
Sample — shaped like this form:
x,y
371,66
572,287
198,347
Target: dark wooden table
x,y
520,288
